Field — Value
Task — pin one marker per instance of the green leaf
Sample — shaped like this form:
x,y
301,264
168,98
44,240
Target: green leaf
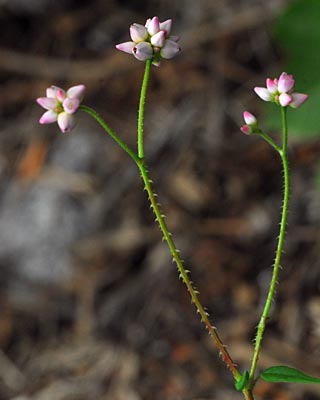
x,y
242,381
282,373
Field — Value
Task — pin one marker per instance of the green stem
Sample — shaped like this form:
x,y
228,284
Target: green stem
x,y
139,160
269,140
167,236
142,101
106,127
183,274
248,394
265,314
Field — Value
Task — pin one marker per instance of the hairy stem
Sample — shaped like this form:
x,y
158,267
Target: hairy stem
x,y
273,283
142,101
183,274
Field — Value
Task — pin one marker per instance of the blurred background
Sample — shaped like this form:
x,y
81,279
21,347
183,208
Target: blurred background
x,y
91,306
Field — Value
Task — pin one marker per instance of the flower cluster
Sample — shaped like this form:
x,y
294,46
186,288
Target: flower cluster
x,y
61,106
151,41
281,92
251,124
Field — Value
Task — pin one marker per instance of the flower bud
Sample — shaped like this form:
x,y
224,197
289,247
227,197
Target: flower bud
x,y
143,51
285,99
76,92
127,47
246,129
170,49
66,122
285,83
55,92
153,26
138,33
251,125
272,85
166,26
249,118
158,39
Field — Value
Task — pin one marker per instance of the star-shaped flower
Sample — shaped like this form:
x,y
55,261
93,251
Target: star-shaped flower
x,y
61,106
280,91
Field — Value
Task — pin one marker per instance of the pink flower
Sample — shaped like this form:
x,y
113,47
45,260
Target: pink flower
x,y
264,93
285,83
249,118
251,124
142,51
298,99
280,91
151,41
61,106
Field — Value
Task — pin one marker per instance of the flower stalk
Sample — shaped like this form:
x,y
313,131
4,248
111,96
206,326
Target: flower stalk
x,y
107,128
142,102
183,273
273,283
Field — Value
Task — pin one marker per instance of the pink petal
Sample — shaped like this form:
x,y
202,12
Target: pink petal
x,y
153,26
143,51
48,117
70,105
138,33
54,91
170,49
263,93
272,86
246,129
76,92
166,26
249,118
285,99
66,122
158,39
285,83
127,47
47,102
298,99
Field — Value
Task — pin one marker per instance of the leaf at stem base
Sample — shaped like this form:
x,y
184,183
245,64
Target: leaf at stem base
x,y
282,373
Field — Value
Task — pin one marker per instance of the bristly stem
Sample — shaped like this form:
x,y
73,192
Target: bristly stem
x,y
142,101
265,314
183,274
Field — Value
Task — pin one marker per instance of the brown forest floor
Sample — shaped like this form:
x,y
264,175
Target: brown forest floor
x,y
91,306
